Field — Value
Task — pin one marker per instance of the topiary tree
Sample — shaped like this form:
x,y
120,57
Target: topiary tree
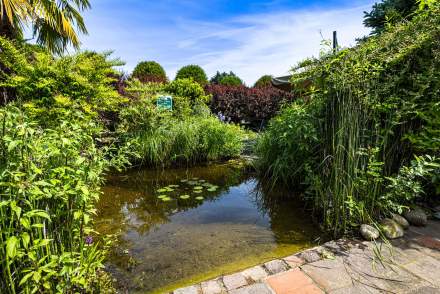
x,y
264,81
194,72
149,71
224,78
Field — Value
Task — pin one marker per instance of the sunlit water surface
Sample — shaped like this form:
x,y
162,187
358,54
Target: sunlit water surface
x,y
167,244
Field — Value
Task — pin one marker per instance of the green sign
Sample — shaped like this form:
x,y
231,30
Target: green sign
x,y
165,103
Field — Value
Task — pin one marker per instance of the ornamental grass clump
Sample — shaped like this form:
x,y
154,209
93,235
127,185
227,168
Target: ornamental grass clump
x,y
371,113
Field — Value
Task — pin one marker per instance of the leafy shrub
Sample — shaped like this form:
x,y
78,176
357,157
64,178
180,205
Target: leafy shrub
x,y
252,106
149,71
194,72
188,88
264,81
228,79
377,111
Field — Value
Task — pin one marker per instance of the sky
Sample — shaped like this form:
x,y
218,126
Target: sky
x,y
250,38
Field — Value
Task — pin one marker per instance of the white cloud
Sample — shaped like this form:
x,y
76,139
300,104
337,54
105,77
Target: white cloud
x,y
249,45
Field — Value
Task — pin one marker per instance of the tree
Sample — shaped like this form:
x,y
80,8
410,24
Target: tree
x,y
55,23
194,72
389,12
149,71
224,78
264,81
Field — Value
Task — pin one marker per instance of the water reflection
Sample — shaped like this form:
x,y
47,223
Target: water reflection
x,y
162,243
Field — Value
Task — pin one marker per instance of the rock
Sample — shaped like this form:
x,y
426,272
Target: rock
x,y
369,233
401,221
416,217
391,229
436,215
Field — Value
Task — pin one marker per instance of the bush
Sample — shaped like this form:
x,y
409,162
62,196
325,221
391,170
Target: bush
x,y
228,79
194,72
374,109
252,106
264,81
149,71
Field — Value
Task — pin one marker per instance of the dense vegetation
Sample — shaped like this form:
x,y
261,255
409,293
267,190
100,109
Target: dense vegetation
x,y
264,81
227,79
364,143
194,72
251,106
56,149
149,71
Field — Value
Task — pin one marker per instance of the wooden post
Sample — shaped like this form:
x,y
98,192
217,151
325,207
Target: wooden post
x,y
335,41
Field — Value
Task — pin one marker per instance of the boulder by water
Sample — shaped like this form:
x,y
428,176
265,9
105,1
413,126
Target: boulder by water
x,y
416,217
401,221
391,229
368,232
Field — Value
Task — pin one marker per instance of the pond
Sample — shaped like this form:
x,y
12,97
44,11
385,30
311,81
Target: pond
x,y
176,227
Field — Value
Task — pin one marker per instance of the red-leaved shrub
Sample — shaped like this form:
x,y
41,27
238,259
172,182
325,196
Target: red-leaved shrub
x,y
252,106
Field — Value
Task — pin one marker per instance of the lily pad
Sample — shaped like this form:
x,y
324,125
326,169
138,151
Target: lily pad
x,y
168,189
198,188
173,186
192,183
184,197
198,191
207,185
199,198
183,181
161,190
162,196
194,179
212,189
202,181
166,199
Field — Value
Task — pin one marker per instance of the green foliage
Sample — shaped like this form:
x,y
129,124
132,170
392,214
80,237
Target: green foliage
x,y
149,71
188,134
264,81
194,72
228,79
374,109
389,12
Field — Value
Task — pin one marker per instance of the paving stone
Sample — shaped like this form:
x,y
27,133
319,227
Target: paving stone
x,y
329,274
234,281
276,266
426,268
292,282
212,287
188,290
358,289
294,261
310,256
259,288
429,242
255,273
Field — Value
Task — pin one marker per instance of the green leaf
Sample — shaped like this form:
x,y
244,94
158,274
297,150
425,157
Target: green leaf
x,y
25,222
25,278
11,247
26,239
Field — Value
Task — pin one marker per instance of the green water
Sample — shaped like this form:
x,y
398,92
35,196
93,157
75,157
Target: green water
x,y
167,244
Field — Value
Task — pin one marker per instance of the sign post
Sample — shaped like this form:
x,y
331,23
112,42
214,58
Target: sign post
x,y
165,103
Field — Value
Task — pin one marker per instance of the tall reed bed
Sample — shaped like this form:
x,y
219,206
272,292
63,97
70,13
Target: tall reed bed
x,y
362,125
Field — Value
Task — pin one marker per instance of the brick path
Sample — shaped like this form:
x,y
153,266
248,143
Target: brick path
x,y
409,265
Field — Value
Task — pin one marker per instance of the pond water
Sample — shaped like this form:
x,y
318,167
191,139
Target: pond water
x,y
176,227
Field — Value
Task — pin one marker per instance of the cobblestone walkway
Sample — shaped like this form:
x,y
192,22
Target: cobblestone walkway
x,y
408,265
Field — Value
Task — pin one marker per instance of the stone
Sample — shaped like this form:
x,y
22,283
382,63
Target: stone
x,y
259,288
276,266
310,256
416,217
391,229
368,232
292,281
427,268
212,287
255,273
294,261
234,281
436,215
187,290
329,274
401,221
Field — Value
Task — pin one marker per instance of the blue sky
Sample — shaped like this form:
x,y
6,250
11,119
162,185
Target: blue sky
x,y
251,38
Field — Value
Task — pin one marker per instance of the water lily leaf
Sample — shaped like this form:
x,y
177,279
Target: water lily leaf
x,y
198,191
194,179
166,199
162,196
199,198
202,181
212,189
207,185
192,183
162,190
183,181
184,197
198,188
173,186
